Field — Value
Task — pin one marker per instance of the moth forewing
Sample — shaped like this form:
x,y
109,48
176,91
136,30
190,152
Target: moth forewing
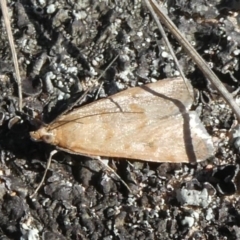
x,y
163,98
149,123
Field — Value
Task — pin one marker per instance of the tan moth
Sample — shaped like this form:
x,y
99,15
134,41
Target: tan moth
x,y
150,123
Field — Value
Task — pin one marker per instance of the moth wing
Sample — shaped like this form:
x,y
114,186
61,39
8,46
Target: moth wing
x,y
178,138
148,123
163,98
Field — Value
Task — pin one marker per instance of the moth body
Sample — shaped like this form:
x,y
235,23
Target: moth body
x,y
150,123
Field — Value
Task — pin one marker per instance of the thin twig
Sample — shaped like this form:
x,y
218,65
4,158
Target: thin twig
x,y
209,74
165,38
12,47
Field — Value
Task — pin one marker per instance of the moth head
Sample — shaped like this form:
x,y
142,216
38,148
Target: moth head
x,y
44,135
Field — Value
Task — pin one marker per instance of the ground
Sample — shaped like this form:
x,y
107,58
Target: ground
x,y
63,47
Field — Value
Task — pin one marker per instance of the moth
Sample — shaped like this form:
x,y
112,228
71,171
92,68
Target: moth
x,y
150,123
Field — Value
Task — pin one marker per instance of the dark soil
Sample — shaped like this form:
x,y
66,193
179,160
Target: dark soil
x,y
63,47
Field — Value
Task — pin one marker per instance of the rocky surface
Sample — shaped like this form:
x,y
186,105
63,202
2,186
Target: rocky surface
x,y
63,47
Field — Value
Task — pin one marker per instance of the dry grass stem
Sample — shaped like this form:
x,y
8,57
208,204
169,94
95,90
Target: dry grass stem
x,y
12,47
203,66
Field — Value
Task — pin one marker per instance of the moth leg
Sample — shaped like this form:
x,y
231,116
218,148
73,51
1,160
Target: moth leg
x,y
112,170
45,172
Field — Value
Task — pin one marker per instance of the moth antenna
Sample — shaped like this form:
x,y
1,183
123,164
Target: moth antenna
x,y
45,172
99,88
12,47
90,88
111,170
80,99
109,65
169,46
